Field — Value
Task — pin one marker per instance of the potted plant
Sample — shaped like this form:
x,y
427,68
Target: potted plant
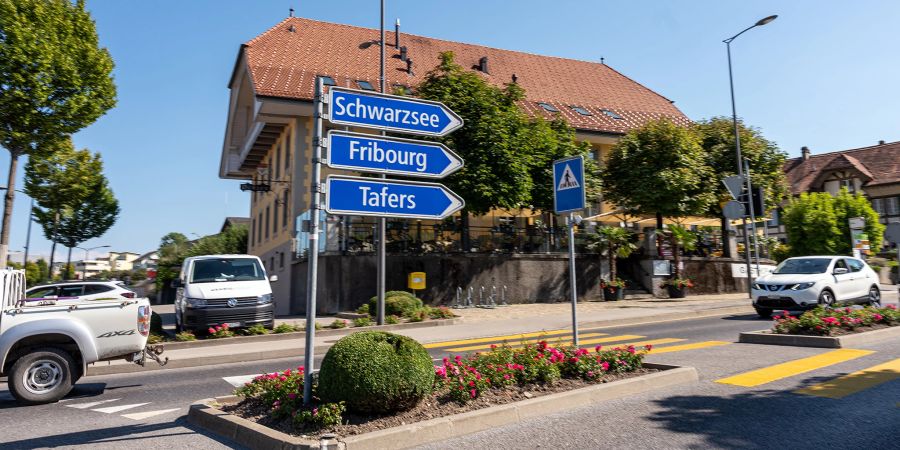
x,y
681,238
613,289
616,242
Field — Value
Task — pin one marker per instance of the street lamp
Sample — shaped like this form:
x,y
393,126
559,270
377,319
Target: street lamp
x,y
86,253
30,219
737,145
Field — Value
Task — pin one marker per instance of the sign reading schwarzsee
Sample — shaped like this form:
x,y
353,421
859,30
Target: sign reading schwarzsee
x,y
390,112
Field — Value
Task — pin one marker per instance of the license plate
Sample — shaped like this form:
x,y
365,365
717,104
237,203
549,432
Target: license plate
x,y
233,324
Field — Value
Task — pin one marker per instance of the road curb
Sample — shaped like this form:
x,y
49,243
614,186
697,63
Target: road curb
x,y
766,337
299,334
206,415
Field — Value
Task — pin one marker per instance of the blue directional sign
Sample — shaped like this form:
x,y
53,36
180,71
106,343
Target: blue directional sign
x,y
380,154
568,184
390,112
389,198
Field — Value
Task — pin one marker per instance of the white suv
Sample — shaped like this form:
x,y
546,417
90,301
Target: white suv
x,y
805,282
80,290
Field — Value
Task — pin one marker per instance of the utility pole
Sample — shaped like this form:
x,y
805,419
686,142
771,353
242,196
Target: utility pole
x,y
382,229
315,196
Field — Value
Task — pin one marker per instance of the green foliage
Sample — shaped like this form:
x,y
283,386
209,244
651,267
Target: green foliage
x,y
671,166
616,242
322,416
155,338
362,322
823,321
185,336
399,303
338,324
364,309
441,312
507,154
73,199
175,247
419,315
766,161
220,332
376,372
254,330
286,328
392,320
818,224
36,272
281,391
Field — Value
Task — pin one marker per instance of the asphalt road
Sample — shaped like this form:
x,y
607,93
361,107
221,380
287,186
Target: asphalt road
x,y
148,410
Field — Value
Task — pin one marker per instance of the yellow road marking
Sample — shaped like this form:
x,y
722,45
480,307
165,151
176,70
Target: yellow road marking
x,y
496,338
854,382
678,348
550,340
642,343
795,367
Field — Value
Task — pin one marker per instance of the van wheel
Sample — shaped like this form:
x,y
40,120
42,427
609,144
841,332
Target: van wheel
x,y
43,376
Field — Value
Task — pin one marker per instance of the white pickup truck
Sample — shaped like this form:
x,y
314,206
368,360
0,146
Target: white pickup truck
x,y
47,344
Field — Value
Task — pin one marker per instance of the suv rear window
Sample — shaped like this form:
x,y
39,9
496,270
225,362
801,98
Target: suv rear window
x,y
41,293
96,289
72,290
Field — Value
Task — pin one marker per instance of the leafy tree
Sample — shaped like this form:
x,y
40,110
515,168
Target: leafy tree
x,y
552,140
73,199
617,242
812,228
681,238
659,168
42,272
765,160
846,206
174,247
55,79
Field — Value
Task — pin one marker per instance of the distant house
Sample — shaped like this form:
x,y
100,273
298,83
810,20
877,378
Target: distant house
x,y
113,261
235,221
872,171
147,261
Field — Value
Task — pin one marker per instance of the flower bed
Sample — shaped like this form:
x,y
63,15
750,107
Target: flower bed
x,y
482,380
836,322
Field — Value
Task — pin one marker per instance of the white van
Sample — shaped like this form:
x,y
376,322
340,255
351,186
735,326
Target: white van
x,y
223,289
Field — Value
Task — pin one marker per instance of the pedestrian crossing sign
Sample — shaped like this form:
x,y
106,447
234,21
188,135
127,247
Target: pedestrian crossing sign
x,y
568,184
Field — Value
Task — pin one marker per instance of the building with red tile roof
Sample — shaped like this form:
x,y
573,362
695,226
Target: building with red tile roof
x,y
268,136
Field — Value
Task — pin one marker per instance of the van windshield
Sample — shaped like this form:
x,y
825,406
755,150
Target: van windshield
x,y
226,269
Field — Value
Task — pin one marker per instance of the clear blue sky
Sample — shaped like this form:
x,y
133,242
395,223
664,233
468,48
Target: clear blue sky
x,y
824,75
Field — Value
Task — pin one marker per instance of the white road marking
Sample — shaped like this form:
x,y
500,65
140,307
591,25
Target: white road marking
x,y
148,414
115,409
92,404
240,380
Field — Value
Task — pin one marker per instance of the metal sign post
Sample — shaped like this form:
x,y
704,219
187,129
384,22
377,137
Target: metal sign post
x,y
568,196
315,190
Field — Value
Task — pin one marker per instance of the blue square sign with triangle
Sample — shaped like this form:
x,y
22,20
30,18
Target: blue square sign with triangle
x,y
568,184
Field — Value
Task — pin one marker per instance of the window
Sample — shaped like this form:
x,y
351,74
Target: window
x,y
581,111
252,230
259,224
267,221
891,207
275,217
41,292
855,265
365,85
96,289
841,264
226,269
611,114
281,260
878,206
548,107
72,290
278,161
849,185
327,81
284,211
287,152
271,262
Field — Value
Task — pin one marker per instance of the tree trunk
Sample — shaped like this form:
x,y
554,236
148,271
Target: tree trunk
x,y
8,206
659,221
612,263
53,247
68,275
676,257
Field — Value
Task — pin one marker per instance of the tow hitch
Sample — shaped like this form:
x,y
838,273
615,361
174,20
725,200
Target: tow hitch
x,y
152,352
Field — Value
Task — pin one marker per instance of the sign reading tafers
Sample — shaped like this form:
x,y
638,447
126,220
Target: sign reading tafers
x,y
380,154
393,198
390,112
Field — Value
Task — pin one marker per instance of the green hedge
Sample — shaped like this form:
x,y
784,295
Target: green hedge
x,y
397,303
376,372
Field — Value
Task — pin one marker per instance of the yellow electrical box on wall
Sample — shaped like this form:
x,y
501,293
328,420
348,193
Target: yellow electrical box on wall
x,y
416,281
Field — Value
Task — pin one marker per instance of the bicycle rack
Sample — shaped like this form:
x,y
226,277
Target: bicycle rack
x,y
503,296
456,304
469,299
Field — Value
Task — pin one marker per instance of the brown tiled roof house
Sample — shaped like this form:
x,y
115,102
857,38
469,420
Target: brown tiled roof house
x,y
878,165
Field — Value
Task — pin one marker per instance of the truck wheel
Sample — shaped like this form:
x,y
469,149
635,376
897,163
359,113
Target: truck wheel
x,y
44,375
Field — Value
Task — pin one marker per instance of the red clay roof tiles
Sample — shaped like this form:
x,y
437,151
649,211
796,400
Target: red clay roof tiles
x,y
285,60
879,163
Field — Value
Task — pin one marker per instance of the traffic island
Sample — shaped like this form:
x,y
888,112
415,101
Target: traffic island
x,y
767,337
212,415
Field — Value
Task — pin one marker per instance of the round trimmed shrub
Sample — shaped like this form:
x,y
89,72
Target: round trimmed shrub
x,y
396,303
376,372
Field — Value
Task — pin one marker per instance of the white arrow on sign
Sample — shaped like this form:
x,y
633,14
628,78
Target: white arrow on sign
x,y
735,185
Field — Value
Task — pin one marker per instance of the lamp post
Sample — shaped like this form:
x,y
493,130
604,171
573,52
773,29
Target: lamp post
x,y
27,233
87,252
737,144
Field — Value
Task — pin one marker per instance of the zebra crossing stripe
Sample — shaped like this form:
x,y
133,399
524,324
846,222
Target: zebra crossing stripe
x,y
792,368
855,382
148,414
115,409
92,404
240,380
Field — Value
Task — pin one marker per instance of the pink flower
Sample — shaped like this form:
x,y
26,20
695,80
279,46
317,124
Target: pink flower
x,y
590,373
506,377
211,330
315,411
493,346
604,365
631,349
224,326
649,347
598,348
472,393
292,396
573,359
877,317
282,378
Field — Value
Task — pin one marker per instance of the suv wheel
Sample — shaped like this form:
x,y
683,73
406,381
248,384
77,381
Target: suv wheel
x,y
826,298
875,296
763,313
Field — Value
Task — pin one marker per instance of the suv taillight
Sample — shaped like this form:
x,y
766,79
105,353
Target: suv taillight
x,y
128,294
143,320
